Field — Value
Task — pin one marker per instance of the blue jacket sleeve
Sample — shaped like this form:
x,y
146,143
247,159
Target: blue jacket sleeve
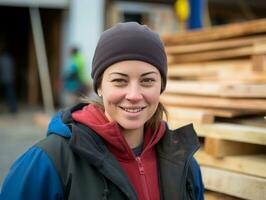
x,y
197,183
32,176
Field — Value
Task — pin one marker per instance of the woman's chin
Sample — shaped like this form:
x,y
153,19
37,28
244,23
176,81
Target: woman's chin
x,y
131,126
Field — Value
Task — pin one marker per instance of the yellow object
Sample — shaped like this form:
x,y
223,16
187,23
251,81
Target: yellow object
x,y
182,9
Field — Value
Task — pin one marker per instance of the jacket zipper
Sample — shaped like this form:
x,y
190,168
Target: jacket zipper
x,y
143,179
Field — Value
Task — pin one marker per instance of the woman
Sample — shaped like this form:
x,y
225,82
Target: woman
x,y
120,149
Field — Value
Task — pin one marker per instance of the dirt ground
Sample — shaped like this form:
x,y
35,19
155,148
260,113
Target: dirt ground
x,y
17,133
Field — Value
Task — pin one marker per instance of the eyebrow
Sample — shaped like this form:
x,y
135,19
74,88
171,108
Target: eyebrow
x,y
147,73
118,73
144,74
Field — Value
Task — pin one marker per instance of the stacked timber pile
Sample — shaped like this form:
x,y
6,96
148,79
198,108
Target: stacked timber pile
x,y
217,81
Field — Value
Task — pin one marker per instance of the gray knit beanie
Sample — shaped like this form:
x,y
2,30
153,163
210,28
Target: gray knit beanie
x,y
128,41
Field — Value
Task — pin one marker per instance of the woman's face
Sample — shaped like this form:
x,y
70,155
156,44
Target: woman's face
x,y
130,92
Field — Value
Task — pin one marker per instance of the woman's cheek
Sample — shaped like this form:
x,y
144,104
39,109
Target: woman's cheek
x,y
114,96
152,95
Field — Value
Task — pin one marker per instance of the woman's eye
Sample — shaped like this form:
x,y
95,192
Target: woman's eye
x,y
148,81
119,81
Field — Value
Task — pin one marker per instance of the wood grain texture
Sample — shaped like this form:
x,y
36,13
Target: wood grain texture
x,y
218,32
218,54
219,89
215,45
214,102
226,131
235,184
219,148
254,165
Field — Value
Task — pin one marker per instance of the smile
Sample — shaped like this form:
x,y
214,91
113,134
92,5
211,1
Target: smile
x,y
133,110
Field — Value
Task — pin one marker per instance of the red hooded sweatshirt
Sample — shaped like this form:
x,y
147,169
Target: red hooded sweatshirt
x,y
141,170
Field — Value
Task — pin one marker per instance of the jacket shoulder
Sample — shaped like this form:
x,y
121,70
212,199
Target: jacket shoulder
x,y
32,176
52,143
57,149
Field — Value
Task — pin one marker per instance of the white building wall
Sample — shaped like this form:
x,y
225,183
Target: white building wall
x,y
83,24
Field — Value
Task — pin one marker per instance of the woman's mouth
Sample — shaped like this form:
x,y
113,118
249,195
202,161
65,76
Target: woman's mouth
x,y
132,109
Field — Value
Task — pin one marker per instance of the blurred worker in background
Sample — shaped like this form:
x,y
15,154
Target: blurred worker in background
x,y
7,78
75,80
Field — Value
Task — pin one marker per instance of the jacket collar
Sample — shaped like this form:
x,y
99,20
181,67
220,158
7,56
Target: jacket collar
x,y
178,143
112,134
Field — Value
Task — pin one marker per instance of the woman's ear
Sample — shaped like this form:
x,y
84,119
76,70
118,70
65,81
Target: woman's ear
x,y
99,92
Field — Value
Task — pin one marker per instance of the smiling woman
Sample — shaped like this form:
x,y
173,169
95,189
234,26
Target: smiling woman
x,y
130,91
120,148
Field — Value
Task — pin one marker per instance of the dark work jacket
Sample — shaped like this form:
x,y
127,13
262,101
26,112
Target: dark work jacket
x,y
73,162
89,171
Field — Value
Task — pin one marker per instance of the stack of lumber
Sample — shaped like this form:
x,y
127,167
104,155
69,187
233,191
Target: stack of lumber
x,y
217,81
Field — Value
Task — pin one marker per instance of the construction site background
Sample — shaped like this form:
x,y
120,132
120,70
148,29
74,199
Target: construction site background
x,y
39,37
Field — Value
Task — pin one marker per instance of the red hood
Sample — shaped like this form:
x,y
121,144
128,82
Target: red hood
x,y
94,117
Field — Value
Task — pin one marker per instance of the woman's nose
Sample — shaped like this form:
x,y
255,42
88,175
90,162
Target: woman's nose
x,y
133,93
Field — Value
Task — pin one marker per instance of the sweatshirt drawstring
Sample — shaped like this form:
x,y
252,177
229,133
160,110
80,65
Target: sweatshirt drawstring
x,y
106,189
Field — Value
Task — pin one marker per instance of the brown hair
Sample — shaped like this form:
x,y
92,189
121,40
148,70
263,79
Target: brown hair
x,y
155,121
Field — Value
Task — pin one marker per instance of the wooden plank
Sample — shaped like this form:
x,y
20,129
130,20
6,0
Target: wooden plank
x,y
233,132
254,165
209,195
190,116
241,77
219,148
193,87
221,44
43,70
219,89
33,78
218,54
235,184
214,68
241,64
259,63
226,131
256,120
217,33
227,113
214,102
